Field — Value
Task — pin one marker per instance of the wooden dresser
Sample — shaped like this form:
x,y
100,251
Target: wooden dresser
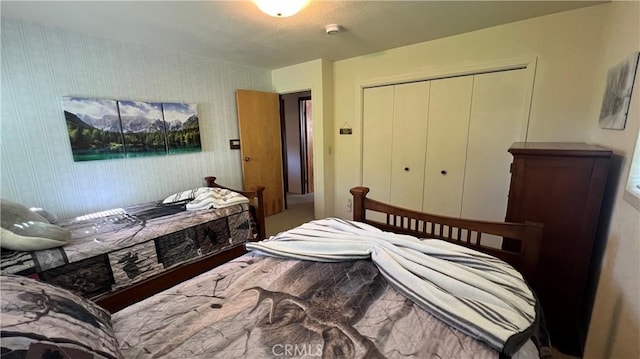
x,y
560,185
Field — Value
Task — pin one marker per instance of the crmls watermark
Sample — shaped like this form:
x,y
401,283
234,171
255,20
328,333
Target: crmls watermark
x,y
296,350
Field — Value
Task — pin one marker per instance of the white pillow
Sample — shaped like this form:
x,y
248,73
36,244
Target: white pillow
x,y
16,242
24,230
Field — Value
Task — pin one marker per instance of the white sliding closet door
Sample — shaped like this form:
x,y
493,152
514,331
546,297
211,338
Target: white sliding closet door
x,y
440,146
376,141
497,112
448,130
409,138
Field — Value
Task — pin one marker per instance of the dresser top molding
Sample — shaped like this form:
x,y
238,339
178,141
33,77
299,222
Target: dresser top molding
x,y
576,149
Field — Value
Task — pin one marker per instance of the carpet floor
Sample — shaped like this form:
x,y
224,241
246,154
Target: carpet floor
x,y
299,210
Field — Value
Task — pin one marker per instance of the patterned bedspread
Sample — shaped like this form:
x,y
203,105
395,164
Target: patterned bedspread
x,y
262,307
113,249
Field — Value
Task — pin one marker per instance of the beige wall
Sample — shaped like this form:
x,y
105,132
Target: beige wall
x,y
573,50
615,323
316,76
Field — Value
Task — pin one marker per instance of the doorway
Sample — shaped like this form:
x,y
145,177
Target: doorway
x,y
297,145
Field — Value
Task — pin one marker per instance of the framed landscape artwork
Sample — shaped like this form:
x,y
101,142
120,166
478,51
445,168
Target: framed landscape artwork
x,y
617,96
105,129
143,128
183,130
94,128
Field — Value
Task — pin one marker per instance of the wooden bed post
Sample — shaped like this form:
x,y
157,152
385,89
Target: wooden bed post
x,y
530,249
359,195
262,231
211,181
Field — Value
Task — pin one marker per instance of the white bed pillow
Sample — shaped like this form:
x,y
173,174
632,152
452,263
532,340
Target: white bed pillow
x,y
16,242
24,230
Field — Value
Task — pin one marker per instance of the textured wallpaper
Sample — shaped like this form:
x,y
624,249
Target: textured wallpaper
x,y
40,65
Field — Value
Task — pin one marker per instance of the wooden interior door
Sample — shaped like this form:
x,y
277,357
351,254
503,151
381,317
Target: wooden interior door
x,y
260,143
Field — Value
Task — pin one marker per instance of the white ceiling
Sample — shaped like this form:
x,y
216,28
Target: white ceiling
x,y
236,31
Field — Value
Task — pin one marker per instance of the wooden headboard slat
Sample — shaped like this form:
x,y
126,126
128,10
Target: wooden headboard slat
x,y
528,234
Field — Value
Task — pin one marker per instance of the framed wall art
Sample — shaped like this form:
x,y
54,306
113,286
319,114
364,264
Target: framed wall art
x,y
94,128
617,95
105,129
143,128
183,129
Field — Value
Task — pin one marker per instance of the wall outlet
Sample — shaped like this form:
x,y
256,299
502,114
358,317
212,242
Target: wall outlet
x,y
349,204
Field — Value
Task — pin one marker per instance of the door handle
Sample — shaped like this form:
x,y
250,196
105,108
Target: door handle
x,y
443,172
247,159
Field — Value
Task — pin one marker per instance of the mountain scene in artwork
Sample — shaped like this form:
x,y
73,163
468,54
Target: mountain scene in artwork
x,y
144,128
103,128
94,128
183,128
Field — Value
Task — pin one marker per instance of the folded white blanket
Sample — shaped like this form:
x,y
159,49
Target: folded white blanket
x,y
478,294
187,195
216,198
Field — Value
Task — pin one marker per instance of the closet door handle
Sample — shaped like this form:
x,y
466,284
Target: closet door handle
x,y
443,172
406,169
247,159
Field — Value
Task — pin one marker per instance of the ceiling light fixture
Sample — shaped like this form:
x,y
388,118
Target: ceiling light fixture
x,y
280,8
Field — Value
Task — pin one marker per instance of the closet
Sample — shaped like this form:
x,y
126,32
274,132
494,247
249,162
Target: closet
x,y
440,145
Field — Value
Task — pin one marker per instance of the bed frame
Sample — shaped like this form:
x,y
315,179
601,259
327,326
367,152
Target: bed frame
x,y
399,220
124,297
460,231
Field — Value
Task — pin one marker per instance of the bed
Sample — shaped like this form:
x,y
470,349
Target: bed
x,y
329,289
119,256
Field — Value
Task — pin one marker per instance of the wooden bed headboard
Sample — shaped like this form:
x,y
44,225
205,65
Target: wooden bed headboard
x,y
465,232
257,200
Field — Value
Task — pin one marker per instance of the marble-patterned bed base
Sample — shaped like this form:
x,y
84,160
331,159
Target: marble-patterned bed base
x,y
140,242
